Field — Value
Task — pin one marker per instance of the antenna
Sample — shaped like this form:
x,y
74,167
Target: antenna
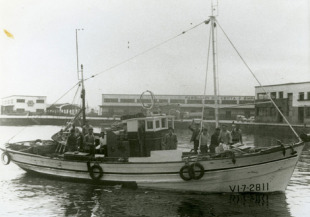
x,y
77,52
214,7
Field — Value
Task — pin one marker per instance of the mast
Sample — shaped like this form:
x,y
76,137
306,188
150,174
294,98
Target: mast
x,y
214,53
83,97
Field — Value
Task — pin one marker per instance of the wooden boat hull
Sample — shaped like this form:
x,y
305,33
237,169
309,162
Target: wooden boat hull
x,y
262,172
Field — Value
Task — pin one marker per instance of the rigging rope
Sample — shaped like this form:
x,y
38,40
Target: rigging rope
x,y
65,93
205,87
258,81
146,51
205,90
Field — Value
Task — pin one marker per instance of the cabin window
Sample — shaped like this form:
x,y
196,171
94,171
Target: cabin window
x,y
149,125
163,123
157,123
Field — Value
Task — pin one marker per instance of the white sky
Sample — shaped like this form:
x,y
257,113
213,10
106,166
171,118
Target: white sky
x,y
272,36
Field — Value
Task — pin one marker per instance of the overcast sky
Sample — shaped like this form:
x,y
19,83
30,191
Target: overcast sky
x,y
272,36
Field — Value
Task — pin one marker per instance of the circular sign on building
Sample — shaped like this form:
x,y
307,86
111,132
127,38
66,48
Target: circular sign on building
x,y
30,103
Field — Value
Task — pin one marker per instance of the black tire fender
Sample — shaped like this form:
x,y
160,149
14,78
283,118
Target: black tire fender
x,y
95,172
200,171
5,155
185,173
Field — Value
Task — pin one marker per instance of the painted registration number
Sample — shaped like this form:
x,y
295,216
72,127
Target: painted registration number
x,y
250,187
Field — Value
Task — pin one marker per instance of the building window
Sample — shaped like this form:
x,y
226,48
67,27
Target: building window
x,y
162,100
177,101
40,101
281,95
262,96
229,101
307,112
301,96
110,100
194,101
40,110
246,102
209,102
20,110
308,95
273,95
20,100
127,100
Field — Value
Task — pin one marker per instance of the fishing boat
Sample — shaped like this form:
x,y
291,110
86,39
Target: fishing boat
x,y
135,156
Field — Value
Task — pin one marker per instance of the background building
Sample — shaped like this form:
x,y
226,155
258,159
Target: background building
x,y
182,106
293,99
63,109
20,104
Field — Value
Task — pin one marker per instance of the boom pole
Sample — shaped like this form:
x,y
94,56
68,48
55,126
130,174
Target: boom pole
x,y
83,97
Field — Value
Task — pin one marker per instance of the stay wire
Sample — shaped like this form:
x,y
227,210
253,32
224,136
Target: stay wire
x,y
65,93
146,51
258,81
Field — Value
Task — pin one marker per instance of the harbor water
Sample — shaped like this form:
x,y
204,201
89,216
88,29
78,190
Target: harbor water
x,y
22,194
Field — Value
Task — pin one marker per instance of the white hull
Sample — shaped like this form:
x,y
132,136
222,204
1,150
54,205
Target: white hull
x,y
268,172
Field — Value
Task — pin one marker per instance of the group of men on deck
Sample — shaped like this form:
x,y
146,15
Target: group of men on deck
x,y
220,136
80,141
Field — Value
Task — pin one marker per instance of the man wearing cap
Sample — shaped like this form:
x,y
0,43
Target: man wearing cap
x,y
195,135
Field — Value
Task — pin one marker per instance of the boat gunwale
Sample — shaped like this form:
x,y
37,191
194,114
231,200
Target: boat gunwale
x,y
162,162
158,173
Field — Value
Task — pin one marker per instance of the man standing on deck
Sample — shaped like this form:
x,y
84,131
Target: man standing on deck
x,y
170,140
72,141
195,135
215,140
225,136
204,137
89,141
236,134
